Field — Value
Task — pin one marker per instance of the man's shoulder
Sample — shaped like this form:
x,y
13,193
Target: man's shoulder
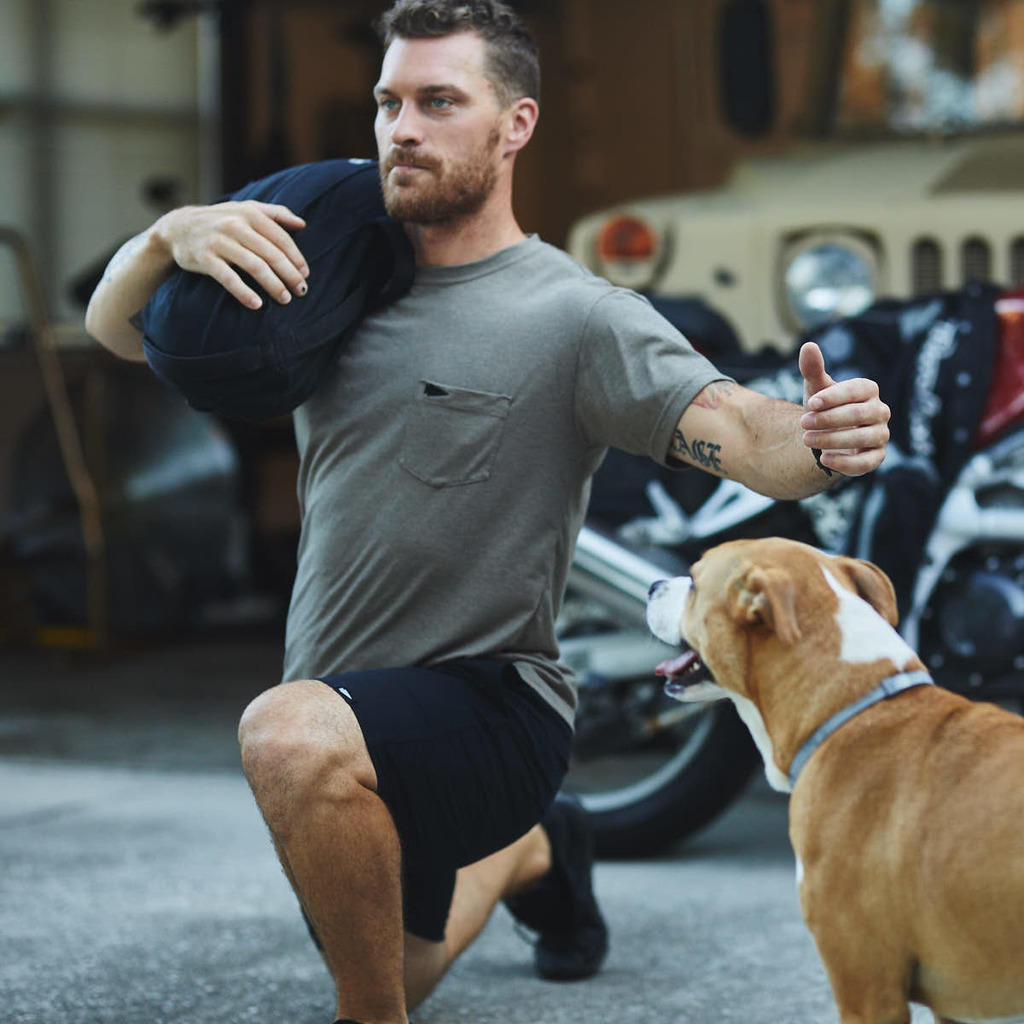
x,y
558,261
553,271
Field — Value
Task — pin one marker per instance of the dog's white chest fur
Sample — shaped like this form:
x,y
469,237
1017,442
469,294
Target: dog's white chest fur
x,y
865,635
753,720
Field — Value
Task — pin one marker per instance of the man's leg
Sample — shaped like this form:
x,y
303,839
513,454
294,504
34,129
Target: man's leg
x,y
545,880
478,889
306,761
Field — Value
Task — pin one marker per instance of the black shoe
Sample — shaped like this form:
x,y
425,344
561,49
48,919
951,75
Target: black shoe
x,y
572,937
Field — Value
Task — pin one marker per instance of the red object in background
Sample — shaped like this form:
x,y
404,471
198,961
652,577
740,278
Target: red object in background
x,y
626,239
1005,404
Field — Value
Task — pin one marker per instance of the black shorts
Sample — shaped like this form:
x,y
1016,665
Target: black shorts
x,y
468,759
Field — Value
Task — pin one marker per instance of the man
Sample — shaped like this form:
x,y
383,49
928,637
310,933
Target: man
x,y
444,475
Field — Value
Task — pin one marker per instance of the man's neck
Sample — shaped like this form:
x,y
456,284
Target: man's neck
x,y
486,232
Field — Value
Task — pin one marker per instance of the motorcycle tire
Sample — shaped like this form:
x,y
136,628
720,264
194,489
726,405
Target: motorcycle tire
x,y
698,782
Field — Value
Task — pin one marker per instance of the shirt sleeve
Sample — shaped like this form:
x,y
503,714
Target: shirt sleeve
x,y
635,376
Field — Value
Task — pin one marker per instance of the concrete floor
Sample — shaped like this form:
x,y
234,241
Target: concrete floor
x,y
138,884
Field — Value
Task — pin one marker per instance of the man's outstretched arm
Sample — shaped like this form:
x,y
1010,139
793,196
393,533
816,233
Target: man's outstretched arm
x,y
780,449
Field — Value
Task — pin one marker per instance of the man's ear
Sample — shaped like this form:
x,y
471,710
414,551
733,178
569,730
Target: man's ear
x,y
522,119
766,597
873,585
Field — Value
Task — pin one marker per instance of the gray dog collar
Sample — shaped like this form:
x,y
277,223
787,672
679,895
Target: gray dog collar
x,y
883,691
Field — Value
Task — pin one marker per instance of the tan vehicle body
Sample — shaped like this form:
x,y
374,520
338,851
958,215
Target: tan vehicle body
x,y
923,211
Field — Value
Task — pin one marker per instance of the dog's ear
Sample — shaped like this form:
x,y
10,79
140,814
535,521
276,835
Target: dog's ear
x,y
766,596
873,585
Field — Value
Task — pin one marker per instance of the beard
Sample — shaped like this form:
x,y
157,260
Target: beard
x,y
450,194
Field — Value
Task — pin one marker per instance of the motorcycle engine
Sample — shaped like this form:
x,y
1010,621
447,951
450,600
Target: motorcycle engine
x,y
972,635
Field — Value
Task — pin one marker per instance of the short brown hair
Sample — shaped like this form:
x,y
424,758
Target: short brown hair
x,y
512,61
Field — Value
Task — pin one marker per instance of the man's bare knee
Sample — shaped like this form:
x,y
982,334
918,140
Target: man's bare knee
x,y
300,741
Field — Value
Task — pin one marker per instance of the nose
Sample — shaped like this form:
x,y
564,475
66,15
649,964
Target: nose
x,y
406,128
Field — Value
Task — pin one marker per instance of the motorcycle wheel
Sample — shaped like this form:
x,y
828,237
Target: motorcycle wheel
x,y
643,800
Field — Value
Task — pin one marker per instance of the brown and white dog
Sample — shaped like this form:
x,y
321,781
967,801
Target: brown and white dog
x,y
907,807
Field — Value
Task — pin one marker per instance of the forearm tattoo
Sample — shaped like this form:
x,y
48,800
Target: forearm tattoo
x,y
706,454
701,453
711,396
121,256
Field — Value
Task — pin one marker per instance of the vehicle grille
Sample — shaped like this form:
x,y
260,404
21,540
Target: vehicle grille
x,y
926,266
974,262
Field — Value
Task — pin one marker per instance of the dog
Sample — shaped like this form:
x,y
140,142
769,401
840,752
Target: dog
x,y
907,805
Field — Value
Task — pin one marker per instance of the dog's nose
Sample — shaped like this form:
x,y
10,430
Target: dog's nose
x,y
655,587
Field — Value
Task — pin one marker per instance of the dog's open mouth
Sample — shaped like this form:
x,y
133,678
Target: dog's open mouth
x,y
682,672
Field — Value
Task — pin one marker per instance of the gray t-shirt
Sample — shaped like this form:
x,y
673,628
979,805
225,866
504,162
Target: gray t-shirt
x,y
445,462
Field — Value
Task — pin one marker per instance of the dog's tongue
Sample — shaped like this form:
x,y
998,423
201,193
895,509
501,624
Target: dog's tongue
x,y
676,666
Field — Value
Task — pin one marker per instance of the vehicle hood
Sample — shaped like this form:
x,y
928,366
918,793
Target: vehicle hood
x,y
896,172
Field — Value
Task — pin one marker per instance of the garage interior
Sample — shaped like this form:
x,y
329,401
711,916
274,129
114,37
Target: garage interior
x,y
127,518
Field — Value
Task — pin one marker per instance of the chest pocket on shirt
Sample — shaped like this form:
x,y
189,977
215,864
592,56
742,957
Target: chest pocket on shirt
x,y
452,434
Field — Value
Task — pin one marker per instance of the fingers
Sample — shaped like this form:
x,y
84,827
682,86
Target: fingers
x,y
812,368
853,462
852,439
281,222
229,279
862,425
847,404
851,427
266,262
227,240
846,423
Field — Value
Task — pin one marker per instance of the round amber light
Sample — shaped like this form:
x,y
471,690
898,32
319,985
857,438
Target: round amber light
x,y
626,239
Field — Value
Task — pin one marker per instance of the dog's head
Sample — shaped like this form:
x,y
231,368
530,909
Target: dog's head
x,y
757,617
749,594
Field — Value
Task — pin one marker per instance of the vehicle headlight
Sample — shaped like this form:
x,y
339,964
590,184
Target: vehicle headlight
x,y
823,279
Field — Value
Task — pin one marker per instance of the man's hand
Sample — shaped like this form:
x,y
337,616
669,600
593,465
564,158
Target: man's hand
x,y
846,422
249,236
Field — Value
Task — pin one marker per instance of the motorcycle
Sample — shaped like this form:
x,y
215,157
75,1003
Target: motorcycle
x,y
944,516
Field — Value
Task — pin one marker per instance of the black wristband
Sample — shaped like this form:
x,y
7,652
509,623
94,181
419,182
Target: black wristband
x,y
816,452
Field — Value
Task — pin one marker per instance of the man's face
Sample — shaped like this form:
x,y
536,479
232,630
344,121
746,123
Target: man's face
x,y
439,129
